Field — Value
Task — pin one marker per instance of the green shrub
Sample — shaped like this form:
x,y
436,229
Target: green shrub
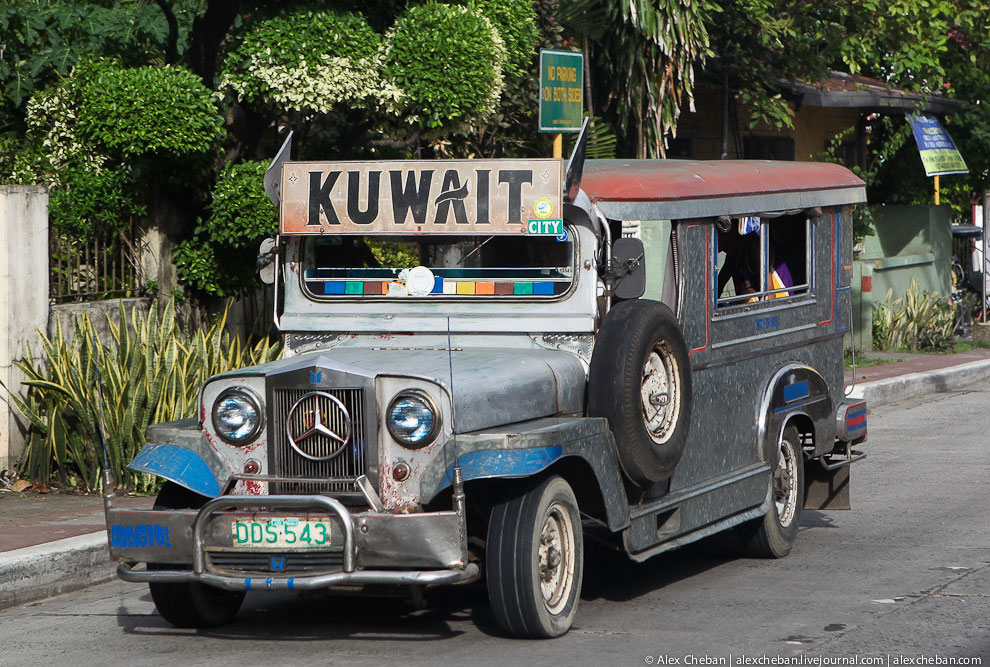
x,y
516,22
150,373
882,320
162,111
87,201
241,214
215,269
305,60
917,321
89,193
446,61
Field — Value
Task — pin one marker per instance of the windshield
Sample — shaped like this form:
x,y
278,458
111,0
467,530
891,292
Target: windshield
x,y
531,267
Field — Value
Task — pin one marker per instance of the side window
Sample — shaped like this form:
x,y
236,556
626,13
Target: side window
x,y
762,258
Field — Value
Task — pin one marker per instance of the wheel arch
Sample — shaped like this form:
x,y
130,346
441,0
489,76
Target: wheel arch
x,y
596,498
796,394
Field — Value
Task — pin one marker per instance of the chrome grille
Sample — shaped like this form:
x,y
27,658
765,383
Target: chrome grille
x,y
342,467
267,563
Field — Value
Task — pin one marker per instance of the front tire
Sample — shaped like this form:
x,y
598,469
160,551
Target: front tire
x,y
190,604
773,535
535,560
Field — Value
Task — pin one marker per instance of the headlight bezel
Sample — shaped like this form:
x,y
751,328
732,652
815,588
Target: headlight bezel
x,y
253,399
431,435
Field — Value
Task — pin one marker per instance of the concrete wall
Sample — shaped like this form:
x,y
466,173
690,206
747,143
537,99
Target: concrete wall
x,y
23,297
64,315
912,243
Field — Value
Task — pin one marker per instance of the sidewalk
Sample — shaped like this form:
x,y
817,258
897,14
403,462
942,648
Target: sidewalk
x,y
54,543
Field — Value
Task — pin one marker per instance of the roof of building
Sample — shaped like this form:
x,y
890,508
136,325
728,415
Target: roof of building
x,y
860,92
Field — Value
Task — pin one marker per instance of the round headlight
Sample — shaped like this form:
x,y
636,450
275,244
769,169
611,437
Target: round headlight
x,y
412,420
237,416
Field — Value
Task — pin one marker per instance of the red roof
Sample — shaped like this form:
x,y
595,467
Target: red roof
x,y
672,180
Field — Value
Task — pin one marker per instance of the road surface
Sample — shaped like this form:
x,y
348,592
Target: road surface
x,y
903,578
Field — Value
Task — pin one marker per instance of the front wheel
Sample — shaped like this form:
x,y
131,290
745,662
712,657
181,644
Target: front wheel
x,y
773,535
190,604
535,560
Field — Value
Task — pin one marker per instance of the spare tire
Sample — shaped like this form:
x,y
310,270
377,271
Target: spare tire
x,y
640,380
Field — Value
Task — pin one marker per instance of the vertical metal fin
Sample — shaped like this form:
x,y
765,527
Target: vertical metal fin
x,y
273,175
575,166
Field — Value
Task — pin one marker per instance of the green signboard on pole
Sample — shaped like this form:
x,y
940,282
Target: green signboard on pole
x,y
561,91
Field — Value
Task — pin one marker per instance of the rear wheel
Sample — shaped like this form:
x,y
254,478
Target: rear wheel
x,y
190,604
535,560
773,535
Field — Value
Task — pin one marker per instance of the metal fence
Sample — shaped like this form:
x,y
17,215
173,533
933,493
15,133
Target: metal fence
x,y
99,267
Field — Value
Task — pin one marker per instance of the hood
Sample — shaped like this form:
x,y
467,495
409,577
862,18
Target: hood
x,y
489,386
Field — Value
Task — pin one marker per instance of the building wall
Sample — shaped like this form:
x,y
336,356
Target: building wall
x,y
911,243
813,128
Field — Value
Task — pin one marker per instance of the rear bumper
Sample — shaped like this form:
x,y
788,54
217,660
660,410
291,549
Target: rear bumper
x,y
365,547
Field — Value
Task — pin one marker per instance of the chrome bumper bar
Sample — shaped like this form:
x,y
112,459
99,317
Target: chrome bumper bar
x,y
374,547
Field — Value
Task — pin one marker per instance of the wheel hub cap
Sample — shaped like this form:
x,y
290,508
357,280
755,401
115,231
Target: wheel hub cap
x,y
659,393
556,558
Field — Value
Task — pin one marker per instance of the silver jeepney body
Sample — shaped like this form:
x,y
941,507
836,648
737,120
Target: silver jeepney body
x,y
508,378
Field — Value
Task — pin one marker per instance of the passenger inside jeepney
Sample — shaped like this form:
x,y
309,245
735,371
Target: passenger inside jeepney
x,y
742,247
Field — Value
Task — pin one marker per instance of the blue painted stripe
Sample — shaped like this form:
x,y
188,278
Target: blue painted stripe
x,y
292,583
796,391
853,415
268,583
503,463
247,584
178,464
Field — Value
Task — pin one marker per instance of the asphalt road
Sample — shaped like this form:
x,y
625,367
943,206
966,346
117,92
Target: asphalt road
x,y
903,576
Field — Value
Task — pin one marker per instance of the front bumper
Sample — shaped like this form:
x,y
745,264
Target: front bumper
x,y
365,547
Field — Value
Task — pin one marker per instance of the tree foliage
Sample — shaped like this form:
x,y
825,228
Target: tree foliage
x,y
446,63
140,111
304,60
45,38
641,59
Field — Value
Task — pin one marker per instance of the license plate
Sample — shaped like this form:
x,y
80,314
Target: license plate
x,y
281,532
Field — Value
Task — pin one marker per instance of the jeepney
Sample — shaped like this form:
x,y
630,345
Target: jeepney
x,y
485,359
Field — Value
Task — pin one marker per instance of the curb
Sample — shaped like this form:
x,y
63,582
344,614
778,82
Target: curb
x,y
46,570
894,390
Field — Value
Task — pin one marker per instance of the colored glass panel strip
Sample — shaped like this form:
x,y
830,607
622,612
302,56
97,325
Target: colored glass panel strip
x,y
333,287
437,285
465,288
484,288
523,288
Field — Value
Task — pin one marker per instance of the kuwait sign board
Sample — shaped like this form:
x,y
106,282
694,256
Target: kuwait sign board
x,y
561,91
419,196
938,152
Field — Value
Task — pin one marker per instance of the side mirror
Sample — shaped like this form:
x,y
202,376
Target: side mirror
x,y
627,271
267,256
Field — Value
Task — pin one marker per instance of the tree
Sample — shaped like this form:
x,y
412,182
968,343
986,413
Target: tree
x,y
640,59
